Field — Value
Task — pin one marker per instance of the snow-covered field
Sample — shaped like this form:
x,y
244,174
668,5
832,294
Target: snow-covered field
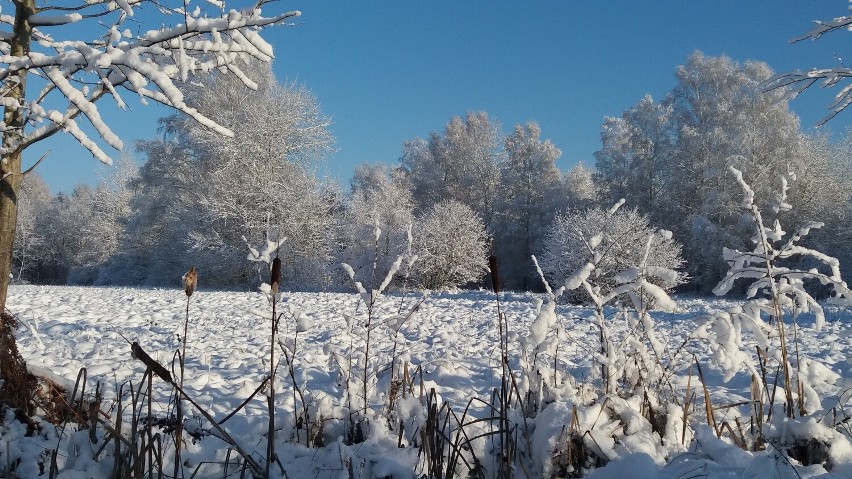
x,y
452,338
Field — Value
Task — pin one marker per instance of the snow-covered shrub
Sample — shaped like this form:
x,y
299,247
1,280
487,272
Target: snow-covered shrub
x,y
778,294
360,373
627,411
541,349
771,264
451,246
609,263
614,241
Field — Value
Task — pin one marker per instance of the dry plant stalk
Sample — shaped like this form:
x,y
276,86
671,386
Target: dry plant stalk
x,y
708,405
190,281
505,470
757,413
161,372
687,400
274,281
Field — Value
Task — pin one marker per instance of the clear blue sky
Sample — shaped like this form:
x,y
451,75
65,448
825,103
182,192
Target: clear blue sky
x,y
391,70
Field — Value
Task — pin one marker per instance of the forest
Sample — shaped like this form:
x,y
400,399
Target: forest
x,y
455,196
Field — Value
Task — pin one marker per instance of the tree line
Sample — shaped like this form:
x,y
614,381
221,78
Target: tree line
x,y
455,197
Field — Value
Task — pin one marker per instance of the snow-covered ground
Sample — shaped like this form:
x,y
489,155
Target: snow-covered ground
x,y
452,338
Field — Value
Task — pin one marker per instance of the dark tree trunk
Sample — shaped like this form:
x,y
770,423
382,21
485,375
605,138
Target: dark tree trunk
x,y
17,389
10,162
9,188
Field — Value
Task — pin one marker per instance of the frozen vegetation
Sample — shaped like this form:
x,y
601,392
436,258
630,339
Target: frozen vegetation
x,y
449,346
565,357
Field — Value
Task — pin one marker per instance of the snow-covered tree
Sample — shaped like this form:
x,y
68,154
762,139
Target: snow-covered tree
x,y
823,189
461,164
33,204
259,184
155,244
579,187
70,237
381,200
108,213
451,246
632,161
60,59
724,118
527,200
670,159
618,235
65,226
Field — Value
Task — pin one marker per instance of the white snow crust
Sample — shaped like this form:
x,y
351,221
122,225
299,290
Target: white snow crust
x,y
452,336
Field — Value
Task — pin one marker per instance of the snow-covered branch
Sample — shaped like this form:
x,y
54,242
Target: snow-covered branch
x,y
148,64
798,81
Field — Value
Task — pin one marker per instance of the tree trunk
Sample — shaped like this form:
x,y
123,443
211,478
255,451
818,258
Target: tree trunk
x,y
9,189
10,162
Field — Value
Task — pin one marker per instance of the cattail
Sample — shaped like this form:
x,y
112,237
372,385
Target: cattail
x,y
190,280
136,352
495,273
275,276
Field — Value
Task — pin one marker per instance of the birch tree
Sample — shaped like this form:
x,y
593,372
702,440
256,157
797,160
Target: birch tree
x,y
461,164
33,203
59,59
381,201
527,203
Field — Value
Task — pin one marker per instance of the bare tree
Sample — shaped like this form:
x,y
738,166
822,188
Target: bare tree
x,y
48,80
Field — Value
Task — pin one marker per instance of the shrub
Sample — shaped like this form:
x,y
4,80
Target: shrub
x,y
621,234
451,244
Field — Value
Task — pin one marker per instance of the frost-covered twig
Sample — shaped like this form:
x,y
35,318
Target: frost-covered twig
x,y
777,288
369,299
633,283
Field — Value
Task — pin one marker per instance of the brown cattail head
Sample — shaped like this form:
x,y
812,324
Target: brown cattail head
x,y
495,273
275,276
190,281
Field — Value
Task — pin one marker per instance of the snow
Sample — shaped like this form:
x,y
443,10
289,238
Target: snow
x,y
453,338
574,281
40,19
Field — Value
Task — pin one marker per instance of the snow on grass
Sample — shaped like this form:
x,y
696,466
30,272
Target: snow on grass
x,y
453,338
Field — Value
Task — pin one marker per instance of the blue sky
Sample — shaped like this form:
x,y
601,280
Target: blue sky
x,y
389,70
